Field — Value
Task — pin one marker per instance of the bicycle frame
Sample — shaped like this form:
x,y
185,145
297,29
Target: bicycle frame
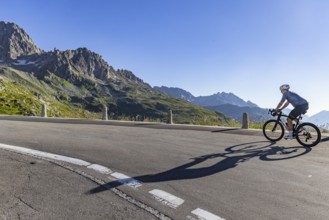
x,y
278,120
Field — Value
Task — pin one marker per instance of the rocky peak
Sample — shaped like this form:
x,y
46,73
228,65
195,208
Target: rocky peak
x,y
129,75
76,66
87,63
176,92
14,42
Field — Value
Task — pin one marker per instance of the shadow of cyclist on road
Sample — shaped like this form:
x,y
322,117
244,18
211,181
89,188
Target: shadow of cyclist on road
x,y
232,157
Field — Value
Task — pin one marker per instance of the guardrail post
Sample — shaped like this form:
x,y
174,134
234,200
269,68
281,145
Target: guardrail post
x,y
104,117
170,121
245,121
44,111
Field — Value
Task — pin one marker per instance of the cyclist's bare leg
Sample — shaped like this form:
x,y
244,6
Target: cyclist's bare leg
x,y
289,122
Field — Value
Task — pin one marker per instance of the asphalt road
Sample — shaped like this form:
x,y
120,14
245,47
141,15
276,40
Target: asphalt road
x,y
182,172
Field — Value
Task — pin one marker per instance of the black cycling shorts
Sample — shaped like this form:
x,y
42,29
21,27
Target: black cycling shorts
x,y
298,110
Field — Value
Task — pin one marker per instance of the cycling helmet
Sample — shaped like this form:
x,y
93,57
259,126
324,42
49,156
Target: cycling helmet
x,y
285,86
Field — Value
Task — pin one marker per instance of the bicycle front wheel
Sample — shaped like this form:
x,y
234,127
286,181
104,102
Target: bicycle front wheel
x,y
273,130
308,134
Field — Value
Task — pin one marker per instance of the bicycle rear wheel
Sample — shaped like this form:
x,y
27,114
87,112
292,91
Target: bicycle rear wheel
x,y
273,130
308,134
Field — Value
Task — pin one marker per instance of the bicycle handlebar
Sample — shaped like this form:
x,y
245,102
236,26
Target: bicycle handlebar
x,y
273,112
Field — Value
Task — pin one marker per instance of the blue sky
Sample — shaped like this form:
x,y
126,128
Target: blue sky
x,y
247,47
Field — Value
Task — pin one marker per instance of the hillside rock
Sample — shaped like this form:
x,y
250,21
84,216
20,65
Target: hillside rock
x,y
77,63
14,42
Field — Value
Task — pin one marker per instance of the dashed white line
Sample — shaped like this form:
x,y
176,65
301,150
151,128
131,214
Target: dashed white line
x,y
126,180
205,215
167,198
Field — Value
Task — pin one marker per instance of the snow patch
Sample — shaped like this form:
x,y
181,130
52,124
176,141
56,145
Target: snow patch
x,y
24,62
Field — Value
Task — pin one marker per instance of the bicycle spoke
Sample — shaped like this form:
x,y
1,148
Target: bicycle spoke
x,y
308,134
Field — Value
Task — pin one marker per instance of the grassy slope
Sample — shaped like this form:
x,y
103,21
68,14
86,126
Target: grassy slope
x,y
23,94
158,104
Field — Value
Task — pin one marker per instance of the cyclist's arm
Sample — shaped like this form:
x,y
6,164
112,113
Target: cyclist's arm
x,y
282,105
277,109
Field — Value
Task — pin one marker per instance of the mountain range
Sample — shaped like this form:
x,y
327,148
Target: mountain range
x,y
321,119
234,106
211,100
79,83
227,103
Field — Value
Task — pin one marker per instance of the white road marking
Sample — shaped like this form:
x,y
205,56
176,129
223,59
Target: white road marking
x,y
46,155
203,214
167,198
99,168
126,180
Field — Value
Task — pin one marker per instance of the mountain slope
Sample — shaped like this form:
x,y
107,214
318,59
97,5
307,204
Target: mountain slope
x,y
176,92
222,98
321,119
78,83
256,114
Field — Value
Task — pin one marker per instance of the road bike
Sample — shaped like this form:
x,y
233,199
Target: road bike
x,y
306,133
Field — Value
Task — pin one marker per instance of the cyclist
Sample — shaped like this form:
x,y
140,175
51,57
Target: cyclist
x,y
300,106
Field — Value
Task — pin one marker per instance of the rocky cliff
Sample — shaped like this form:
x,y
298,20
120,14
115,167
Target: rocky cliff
x,y
14,42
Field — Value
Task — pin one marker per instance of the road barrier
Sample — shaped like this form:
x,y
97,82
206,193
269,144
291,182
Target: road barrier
x,y
170,117
104,113
44,111
245,121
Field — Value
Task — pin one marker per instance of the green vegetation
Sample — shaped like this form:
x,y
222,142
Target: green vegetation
x,y
17,100
256,125
21,94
